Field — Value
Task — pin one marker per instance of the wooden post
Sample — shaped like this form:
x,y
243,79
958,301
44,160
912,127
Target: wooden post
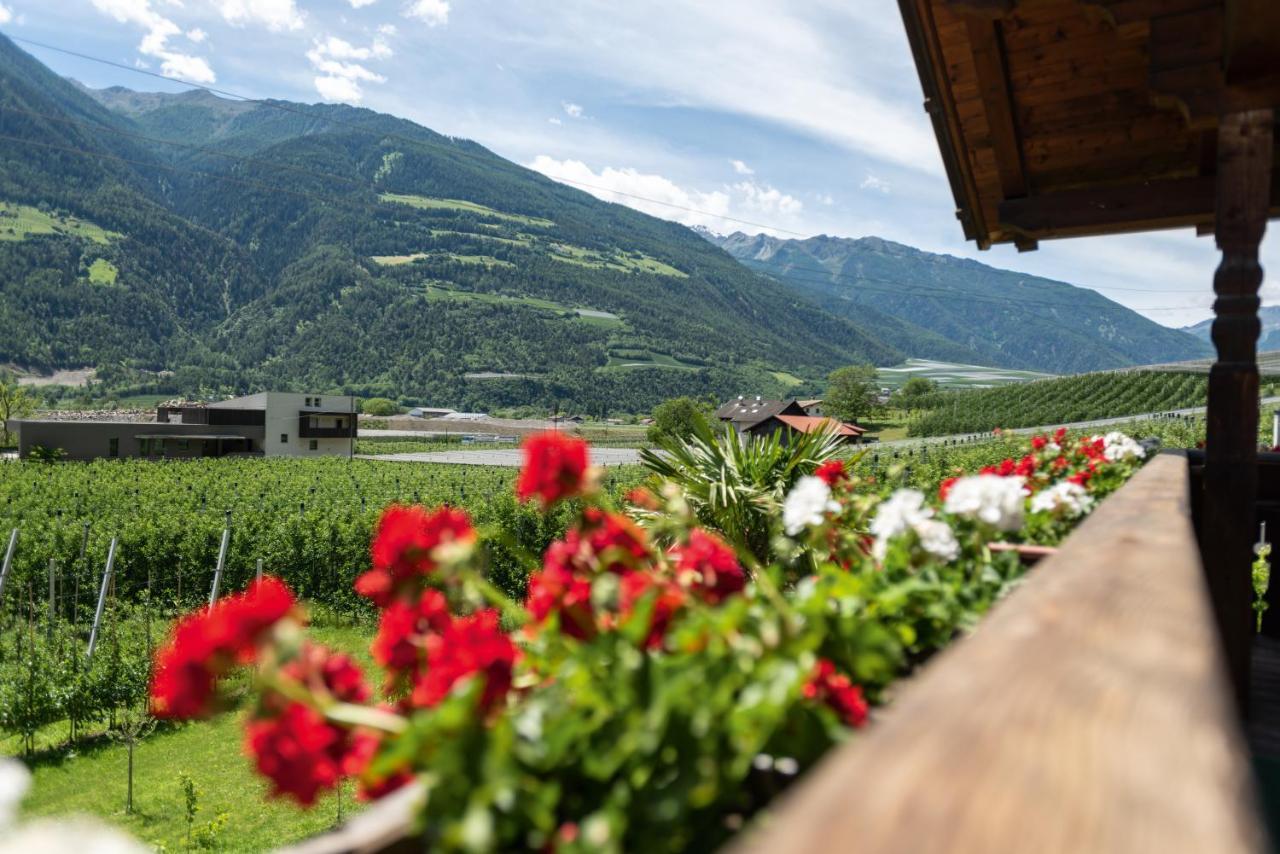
x,y
1230,474
257,576
102,598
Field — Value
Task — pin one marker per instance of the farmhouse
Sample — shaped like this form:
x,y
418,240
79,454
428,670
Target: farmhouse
x,y
272,424
755,416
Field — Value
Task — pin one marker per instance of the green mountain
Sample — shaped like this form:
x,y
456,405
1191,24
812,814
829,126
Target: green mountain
x,y
187,242
955,309
1268,339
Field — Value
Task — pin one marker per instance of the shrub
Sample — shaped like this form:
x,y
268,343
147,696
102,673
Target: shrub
x,y
379,406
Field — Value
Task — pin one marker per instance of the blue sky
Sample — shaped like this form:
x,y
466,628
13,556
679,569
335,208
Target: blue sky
x,y
801,117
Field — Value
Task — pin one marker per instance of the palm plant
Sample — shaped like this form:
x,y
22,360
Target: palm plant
x,y
736,484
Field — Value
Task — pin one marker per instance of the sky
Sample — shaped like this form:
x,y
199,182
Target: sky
x,y
792,118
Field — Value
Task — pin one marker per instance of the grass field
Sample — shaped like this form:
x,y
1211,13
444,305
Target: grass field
x,y
92,778
103,272
18,222
625,262
401,260
952,375
430,203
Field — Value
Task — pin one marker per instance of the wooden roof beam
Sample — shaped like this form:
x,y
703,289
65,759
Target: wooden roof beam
x,y
1177,203
1251,53
985,43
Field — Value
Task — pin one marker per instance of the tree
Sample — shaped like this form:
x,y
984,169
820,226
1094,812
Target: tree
x,y
913,390
14,403
379,406
679,418
851,392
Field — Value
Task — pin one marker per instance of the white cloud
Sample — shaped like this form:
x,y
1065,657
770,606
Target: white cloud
x,y
155,42
553,120
876,184
572,110
341,73
197,35
659,196
430,12
360,4
741,168
388,29
275,15
826,199
6,14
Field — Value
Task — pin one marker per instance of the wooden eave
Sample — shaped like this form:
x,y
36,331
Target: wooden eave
x,y
1061,118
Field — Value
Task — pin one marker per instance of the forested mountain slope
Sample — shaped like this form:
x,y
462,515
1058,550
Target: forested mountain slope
x,y
271,244
999,317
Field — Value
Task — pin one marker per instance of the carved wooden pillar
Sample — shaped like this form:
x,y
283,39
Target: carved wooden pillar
x,y
1230,477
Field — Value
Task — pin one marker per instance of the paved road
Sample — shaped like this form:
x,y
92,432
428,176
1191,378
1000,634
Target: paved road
x,y
512,458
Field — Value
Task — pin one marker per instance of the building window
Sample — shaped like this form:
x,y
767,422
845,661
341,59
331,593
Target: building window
x,y
317,403
113,447
341,424
284,438
314,444
308,402
183,444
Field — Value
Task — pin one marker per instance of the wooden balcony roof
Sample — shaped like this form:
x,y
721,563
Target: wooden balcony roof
x,y
1061,118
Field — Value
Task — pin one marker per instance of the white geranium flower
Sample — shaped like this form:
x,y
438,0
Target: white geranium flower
x,y
15,779
809,500
989,498
937,538
1116,446
1053,448
905,511
1065,497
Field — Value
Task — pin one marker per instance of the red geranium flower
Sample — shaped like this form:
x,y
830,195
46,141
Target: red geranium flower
x,y
400,645
206,644
294,746
1060,435
556,589
1038,442
555,467
473,644
836,691
945,487
1026,466
642,497
667,599
832,472
710,565
616,542
405,548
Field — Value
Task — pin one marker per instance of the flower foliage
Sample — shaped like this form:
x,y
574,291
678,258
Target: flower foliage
x,y
661,680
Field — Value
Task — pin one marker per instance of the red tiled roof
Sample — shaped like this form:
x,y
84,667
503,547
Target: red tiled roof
x,y
813,423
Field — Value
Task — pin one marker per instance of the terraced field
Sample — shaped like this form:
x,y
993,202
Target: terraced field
x,y
18,222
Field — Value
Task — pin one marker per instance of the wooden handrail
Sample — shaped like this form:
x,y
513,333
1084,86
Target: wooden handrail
x,y
1090,711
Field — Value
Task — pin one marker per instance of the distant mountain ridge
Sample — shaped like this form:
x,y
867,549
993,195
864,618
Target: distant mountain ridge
x,y
1269,339
978,313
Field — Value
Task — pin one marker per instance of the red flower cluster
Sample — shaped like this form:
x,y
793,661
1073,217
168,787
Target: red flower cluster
x,y
836,691
832,472
556,589
555,467
708,565
292,744
944,487
666,597
206,644
469,645
405,548
400,645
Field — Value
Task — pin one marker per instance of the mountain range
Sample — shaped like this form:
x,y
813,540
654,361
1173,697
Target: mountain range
x,y
1269,339
956,309
190,243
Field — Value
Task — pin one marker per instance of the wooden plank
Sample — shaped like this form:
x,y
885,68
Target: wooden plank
x,y
1252,43
1089,712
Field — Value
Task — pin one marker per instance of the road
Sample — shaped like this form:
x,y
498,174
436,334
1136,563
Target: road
x,y
509,458
630,456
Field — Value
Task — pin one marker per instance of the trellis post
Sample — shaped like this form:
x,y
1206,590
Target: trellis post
x,y
222,561
8,561
102,598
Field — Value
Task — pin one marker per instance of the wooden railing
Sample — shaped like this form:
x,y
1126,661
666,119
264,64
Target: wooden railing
x,y
1089,712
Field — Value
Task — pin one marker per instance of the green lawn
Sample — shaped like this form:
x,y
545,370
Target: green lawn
x,y
18,222
92,778
400,260
430,203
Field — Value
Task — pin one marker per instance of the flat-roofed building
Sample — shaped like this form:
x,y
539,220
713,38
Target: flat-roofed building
x,y
271,424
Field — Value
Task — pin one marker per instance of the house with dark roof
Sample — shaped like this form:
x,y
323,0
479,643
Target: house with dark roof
x,y
756,416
